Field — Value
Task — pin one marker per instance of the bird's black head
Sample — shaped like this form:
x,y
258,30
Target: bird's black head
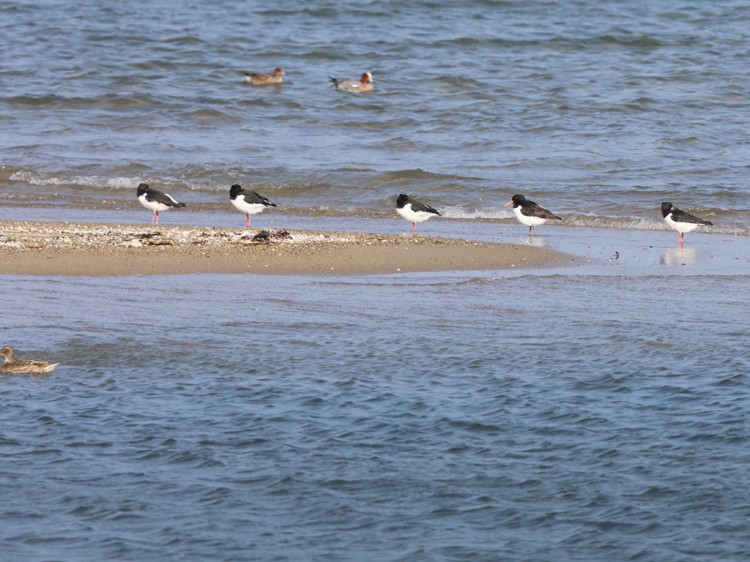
x,y
516,200
235,190
666,208
142,188
402,200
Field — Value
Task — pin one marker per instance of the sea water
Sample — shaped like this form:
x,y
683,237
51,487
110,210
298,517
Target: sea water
x,y
594,412
521,416
598,110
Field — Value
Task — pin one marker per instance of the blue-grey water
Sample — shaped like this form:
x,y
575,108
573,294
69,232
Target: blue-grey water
x,y
595,108
589,413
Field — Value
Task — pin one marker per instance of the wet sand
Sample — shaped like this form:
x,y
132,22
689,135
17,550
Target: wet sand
x,y
41,248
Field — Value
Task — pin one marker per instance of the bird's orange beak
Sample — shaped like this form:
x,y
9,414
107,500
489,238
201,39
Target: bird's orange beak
x,y
508,203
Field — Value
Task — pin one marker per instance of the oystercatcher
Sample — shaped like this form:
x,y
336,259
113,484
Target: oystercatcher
x,y
529,213
248,202
156,201
414,211
681,221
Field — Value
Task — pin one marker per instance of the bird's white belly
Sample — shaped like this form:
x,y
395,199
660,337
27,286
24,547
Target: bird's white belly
x,y
680,226
153,205
528,221
408,214
247,208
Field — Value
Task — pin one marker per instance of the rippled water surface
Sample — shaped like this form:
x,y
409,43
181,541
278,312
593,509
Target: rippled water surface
x,y
530,417
590,413
596,108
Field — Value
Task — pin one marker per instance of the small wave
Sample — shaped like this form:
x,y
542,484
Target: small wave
x,y
627,40
488,213
412,174
7,172
106,101
133,174
33,102
211,115
33,178
184,40
619,223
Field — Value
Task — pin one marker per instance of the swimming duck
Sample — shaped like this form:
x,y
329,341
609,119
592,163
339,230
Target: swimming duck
x,y
24,366
248,202
265,79
156,201
364,84
529,213
681,221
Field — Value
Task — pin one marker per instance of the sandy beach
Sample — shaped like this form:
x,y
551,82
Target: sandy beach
x,y
31,248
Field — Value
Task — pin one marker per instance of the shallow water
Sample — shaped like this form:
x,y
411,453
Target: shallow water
x,y
600,111
426,417
595,412
590,412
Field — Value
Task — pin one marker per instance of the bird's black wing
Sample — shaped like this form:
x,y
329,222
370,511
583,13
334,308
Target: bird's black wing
x,y
154,195
254,197
418,206
682,216
531,209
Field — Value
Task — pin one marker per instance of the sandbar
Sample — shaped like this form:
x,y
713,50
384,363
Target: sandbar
x,y
84,249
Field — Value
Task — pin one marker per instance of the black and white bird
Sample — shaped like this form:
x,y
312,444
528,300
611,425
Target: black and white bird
x,y
156,201
248,202
414,211
529,213
681,221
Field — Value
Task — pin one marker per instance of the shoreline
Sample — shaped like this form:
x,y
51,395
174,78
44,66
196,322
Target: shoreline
x,y
91,249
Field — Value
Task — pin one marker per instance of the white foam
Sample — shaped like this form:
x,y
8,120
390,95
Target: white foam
x,y
107,182
34,178
471,214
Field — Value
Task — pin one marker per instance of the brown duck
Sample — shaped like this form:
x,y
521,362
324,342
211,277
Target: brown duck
x,y
23,366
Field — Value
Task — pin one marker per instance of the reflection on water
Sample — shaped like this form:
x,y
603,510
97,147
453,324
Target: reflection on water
x,y
679,256
535,240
